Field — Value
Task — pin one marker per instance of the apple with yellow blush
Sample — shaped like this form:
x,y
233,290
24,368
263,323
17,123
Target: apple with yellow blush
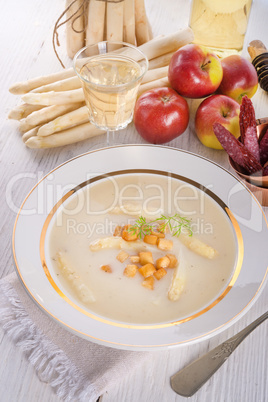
x,y
216,108
194,71
239,78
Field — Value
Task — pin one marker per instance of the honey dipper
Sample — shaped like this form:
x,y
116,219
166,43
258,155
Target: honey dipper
x,y
259,57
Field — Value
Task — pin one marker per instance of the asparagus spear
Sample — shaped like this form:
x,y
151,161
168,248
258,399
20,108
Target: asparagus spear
x,y
73,118
46,114
66,137
54,98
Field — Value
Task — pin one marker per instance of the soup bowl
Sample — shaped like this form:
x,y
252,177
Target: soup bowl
x,y
234,294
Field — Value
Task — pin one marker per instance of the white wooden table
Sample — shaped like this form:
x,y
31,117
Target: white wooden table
x,y
26,51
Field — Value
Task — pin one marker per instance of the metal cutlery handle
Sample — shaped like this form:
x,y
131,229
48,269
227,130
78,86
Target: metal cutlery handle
x,y
188,380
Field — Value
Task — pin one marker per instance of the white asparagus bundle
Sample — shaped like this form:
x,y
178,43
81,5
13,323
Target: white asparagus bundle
x,y
80,115
77,95
141,23
76,117
75,83
66,137
74,40
77,133
153,49
55,113
129,22
95,21
21,111
46,114
114,21
24,110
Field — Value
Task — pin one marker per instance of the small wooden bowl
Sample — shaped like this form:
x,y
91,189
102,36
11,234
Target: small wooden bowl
x,y
257,184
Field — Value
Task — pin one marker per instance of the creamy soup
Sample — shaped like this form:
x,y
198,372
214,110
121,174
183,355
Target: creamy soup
x,y
85,252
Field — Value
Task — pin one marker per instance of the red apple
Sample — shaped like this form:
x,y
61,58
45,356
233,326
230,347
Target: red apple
x,y
194,71
220,109
160,115
239,78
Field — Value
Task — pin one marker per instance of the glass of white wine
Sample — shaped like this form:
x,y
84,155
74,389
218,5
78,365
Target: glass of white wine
x,y
110,73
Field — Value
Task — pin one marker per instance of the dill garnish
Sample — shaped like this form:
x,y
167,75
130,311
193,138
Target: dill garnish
x,y
176,224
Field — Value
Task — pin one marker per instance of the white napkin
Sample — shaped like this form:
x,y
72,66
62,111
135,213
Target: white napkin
x,y
76,369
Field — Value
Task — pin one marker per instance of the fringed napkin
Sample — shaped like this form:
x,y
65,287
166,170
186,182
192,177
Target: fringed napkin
x,y
76,369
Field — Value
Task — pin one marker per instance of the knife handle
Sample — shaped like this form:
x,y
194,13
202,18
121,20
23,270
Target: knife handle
x,y
188,380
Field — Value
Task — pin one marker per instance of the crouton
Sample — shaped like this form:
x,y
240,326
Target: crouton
x,y
165,244
130,270
148,283
160,273
147,270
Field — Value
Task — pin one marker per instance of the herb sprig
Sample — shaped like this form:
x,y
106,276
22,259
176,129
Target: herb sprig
x,y
176,224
